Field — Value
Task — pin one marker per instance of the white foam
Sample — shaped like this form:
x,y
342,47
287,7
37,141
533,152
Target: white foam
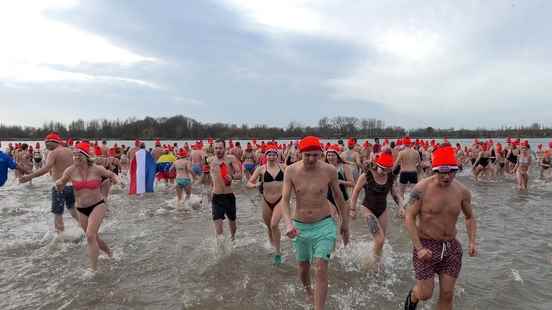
x,y
517,276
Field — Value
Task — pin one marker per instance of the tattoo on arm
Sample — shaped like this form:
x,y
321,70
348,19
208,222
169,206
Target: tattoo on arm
x,y
412,198
373,224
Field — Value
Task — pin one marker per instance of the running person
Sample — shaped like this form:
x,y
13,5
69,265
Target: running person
x,y
522,166
86,178
408,162
59,158
312,229
183,169
344,175
432,211
223,169
249,161
377,183
272,176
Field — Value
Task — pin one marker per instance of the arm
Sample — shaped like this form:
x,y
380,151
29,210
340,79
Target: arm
x,y
413,205
348,182
252,182
471,223
60,183
397,161
356,192
286,195
236,169
50,162
108,174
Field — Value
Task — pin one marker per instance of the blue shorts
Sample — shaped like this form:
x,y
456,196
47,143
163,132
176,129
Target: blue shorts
x,y
196,169
64,198
183,182
315,240
250,167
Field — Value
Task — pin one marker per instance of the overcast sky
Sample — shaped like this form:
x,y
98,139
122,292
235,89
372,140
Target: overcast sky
x,y
410,63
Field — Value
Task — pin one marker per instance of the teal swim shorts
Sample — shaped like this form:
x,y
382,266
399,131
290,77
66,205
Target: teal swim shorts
x,y
315,240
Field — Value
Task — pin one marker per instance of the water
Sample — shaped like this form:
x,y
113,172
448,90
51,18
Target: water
x,y
168,259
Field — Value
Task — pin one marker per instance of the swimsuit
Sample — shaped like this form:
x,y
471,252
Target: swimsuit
x,y
196,169
408,177
446,258
88,210
183,182
267,178
91,185
340,176
375,195
224,205
315,239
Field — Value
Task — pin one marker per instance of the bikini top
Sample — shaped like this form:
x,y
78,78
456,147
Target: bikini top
x,y
87,184
523,160
268,177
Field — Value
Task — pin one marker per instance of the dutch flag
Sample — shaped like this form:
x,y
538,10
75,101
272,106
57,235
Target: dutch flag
x,y
142,173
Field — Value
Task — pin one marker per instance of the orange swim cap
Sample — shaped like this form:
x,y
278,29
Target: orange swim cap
x,y
444,159
54,137
84,149
310,143
385,160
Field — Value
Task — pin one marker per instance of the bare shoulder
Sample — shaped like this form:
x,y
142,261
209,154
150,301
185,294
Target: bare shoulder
x,y
463,189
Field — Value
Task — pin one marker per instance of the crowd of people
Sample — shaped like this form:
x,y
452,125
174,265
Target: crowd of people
x,y
326,179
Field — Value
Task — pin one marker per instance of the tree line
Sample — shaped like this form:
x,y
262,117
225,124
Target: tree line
x,y
185,128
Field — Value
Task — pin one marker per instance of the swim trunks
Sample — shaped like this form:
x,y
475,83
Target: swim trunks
x,y
250,167
446,258
183,182
196,169
408,177
64,198
224,204
315,240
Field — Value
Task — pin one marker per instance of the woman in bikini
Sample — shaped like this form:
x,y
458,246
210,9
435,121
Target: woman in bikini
x,y
271,177
91,206
522,167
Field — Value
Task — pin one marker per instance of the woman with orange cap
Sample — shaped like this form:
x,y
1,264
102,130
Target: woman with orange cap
x,y
483,162
271,176
522,167
86,178
377,183
183,168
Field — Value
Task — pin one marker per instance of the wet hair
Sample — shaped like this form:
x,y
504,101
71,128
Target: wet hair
x,y
340,142
24,146
392,144
238,144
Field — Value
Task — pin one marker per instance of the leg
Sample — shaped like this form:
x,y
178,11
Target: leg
x,y
178,195
218,227
321,284
376,231
304,275
423,290
446,291
267,216
94,221
233,227
276,234
188,190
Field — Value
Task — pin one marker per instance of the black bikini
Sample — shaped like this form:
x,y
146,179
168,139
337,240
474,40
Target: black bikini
x,y
267,178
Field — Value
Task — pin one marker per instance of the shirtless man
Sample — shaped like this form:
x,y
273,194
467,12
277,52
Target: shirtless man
x,y
198,158
223,169
59,158
157,151
183,169
133,150
312,229
408,160
432,210
352,157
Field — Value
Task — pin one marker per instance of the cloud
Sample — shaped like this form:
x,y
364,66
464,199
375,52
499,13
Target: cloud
x,y
437,63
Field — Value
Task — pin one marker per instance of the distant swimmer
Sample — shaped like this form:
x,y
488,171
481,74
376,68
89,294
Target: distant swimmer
x,y
482,163
271,177
249,160
87,181
59,159
223,169
377,183
312,228
37,156
408,162
183,167
432,211
522,167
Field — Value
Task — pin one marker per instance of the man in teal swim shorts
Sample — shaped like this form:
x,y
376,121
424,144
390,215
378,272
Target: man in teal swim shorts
x,y
312,229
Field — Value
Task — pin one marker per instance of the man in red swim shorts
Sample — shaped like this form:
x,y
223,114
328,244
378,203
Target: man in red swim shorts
x,y
436,202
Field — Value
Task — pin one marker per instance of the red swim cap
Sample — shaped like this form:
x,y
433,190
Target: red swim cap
x,y
351,142
385,160
54,137
270,148
333,148
444,159
182,153
157,142
407,141
84,149
310,143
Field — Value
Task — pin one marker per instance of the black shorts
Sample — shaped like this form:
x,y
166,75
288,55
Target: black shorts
x,y
408,177
224,204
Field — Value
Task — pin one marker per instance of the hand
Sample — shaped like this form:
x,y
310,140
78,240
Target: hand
x,y
472,249
424,254
25,179
345,234
401,212
292,232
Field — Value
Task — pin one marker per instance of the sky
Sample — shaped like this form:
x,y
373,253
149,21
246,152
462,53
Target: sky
x,y
461,64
